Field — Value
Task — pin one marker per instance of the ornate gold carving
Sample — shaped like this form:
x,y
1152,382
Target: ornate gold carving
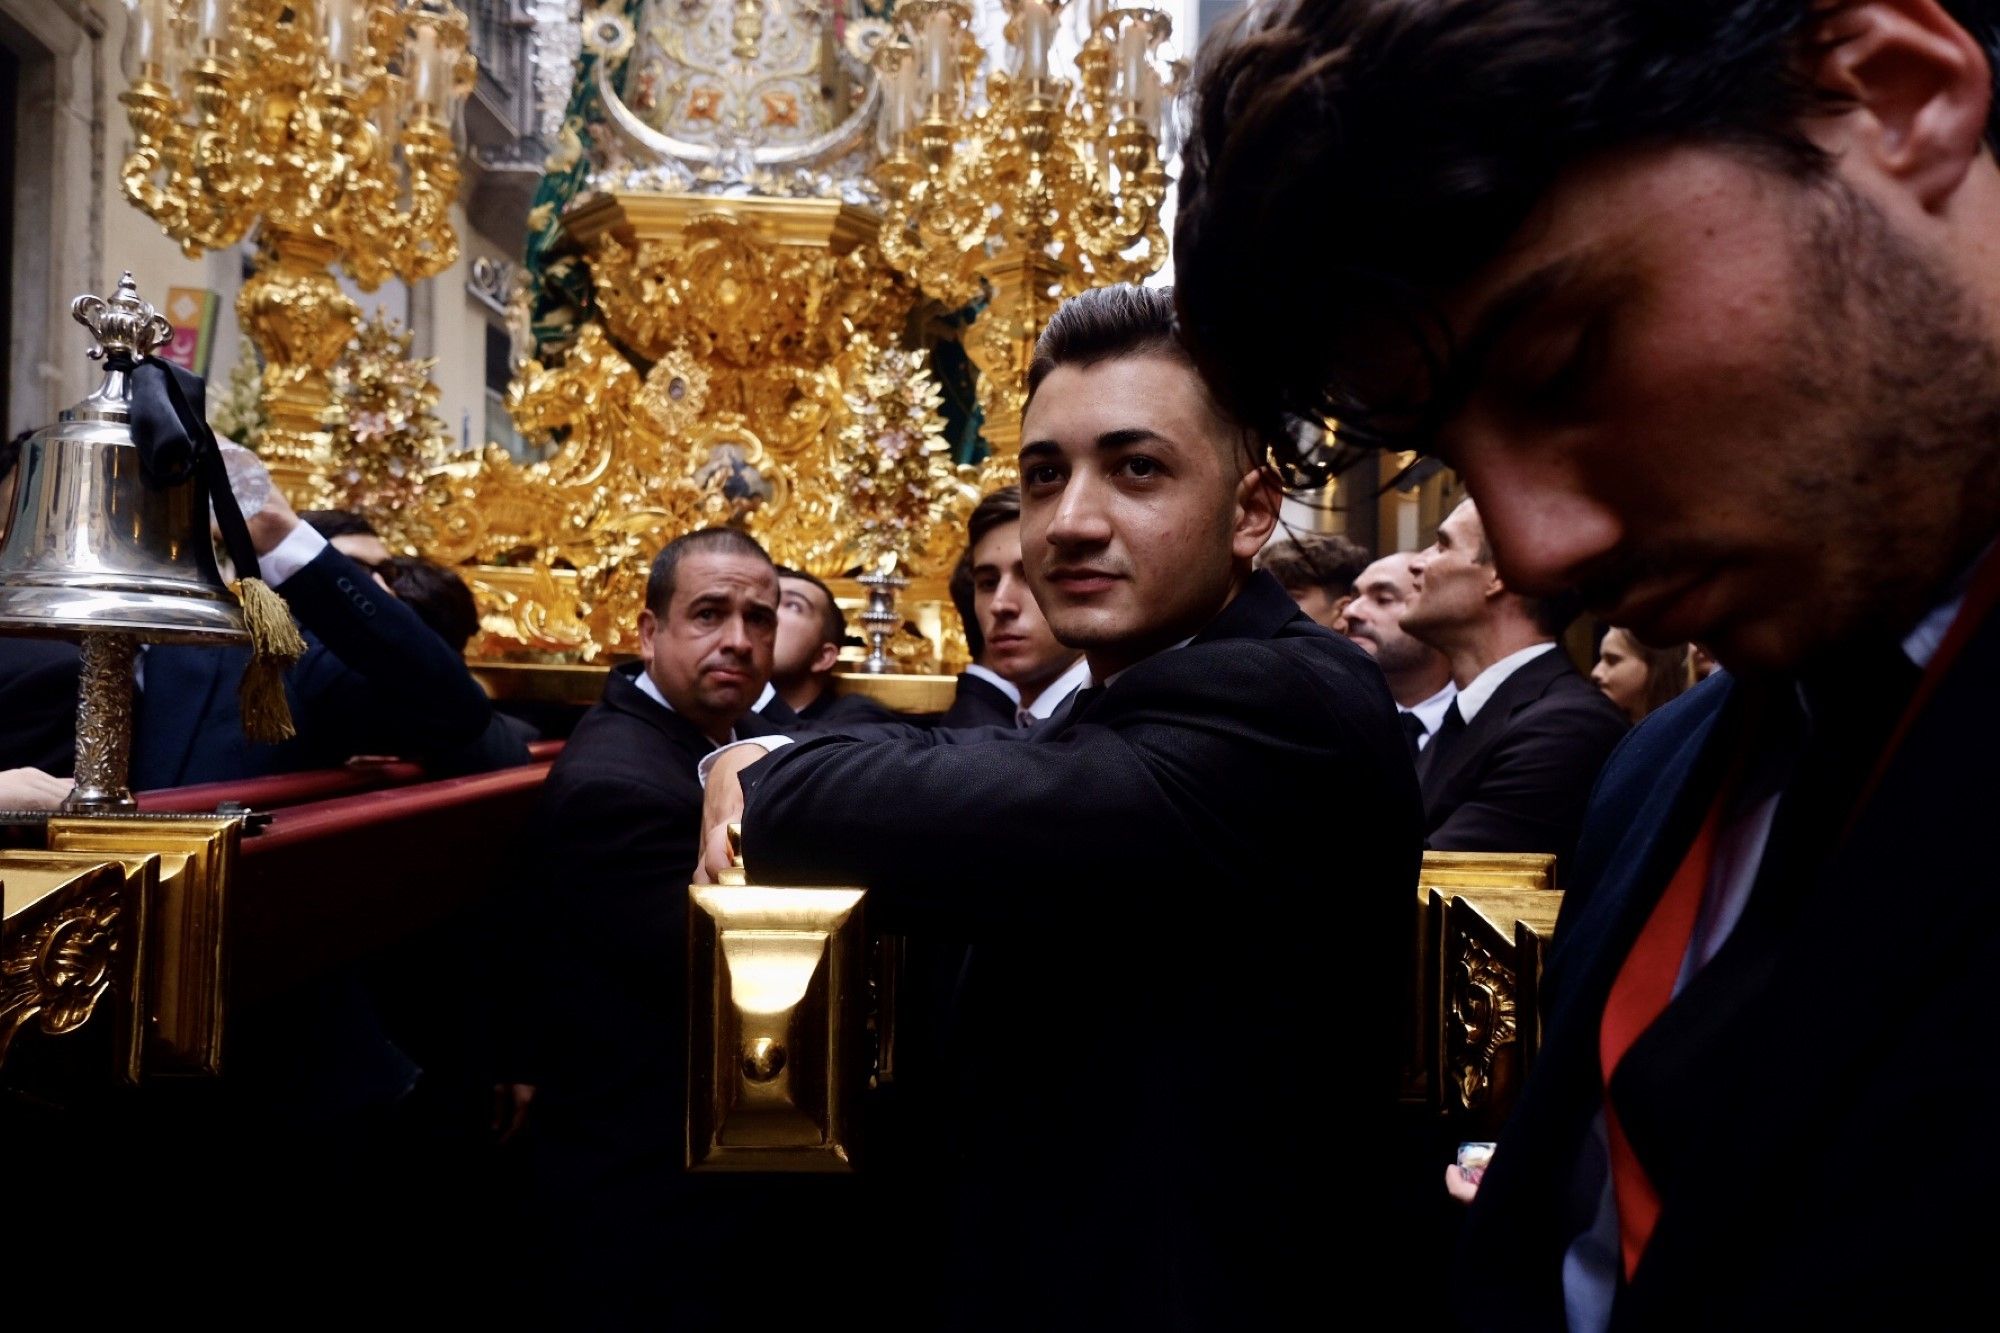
x,y
280,120
71,934
746,370
1482,1023
986,192
184,1008
1483,920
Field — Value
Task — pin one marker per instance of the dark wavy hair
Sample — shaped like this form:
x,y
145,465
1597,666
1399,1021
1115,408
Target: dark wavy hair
x,y
1351,160
438,596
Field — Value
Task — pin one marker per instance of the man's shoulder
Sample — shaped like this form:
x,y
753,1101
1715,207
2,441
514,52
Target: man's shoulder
x,y
1292,670
1550,685
614,745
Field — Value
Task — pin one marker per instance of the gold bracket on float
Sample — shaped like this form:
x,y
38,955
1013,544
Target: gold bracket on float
x,y
777,1011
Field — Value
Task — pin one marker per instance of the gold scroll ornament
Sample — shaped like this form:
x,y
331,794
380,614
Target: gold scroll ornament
x,y
1485,921
739,343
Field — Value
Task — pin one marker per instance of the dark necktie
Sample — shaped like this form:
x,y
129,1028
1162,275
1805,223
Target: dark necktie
x,y
1414,731
1448,732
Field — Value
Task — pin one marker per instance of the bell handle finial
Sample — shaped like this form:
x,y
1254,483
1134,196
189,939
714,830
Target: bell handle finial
x,y
124,324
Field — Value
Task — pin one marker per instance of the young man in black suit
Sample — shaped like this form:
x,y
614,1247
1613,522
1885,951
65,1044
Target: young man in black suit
x,y
1518,750
631,1238
1143,1140
1703,301
811,630
1020,673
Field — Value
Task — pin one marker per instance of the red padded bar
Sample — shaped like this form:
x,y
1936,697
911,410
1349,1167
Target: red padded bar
x,y
280,789
333,880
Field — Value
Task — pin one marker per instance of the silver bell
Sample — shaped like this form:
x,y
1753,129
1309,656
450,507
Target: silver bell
x,y
92,545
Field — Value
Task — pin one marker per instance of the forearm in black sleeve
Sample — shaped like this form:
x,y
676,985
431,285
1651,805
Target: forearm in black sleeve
x,y
1160,785
408,691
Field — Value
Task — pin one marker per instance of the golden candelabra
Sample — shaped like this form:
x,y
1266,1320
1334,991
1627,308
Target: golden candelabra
x,y
329,120
1024,185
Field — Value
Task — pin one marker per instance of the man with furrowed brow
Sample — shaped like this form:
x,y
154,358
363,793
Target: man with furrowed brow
x,y
1150,1133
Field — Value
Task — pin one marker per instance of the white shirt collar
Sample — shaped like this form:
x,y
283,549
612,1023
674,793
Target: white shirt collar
x,y
763,700
1474,696
1920,645
1112,679
1057,692
652,691
1431,711
997,681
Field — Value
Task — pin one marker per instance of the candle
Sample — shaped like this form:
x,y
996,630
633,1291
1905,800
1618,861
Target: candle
x,y
1036,22
1093,14
911,92
940,56
1149,100
389,118
146,38
1132,45
420,66
213,23
445,80
338,23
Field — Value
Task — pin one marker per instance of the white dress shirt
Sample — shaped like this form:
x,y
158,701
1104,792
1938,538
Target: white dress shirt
x,y
652,691
1431,712
1053,696
1592,1264
997,681
1484,685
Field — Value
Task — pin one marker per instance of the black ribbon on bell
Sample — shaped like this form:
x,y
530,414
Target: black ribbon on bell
x,y
171,432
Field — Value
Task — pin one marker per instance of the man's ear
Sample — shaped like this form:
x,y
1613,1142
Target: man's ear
x,y
1917,88
826,660
1258,498
649,625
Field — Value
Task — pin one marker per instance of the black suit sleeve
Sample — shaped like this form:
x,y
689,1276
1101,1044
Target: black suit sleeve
x,y
385,683
1535,785
1176,774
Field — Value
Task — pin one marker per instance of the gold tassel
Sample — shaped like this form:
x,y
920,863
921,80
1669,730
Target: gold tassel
x,y
274,645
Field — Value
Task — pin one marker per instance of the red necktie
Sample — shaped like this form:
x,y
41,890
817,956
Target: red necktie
x,y
1645,983
1644,986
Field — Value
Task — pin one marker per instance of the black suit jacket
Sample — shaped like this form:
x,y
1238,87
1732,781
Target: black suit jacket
x,y
374,680
38,704
1806,1104
1519,776
617,831
1146,1142
836,710
601,1024
978,703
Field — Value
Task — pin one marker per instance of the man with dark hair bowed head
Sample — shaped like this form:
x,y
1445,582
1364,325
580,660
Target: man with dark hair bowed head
x,y
1702,299
1146,1139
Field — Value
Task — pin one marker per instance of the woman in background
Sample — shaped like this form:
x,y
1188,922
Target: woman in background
x,y
1636,678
